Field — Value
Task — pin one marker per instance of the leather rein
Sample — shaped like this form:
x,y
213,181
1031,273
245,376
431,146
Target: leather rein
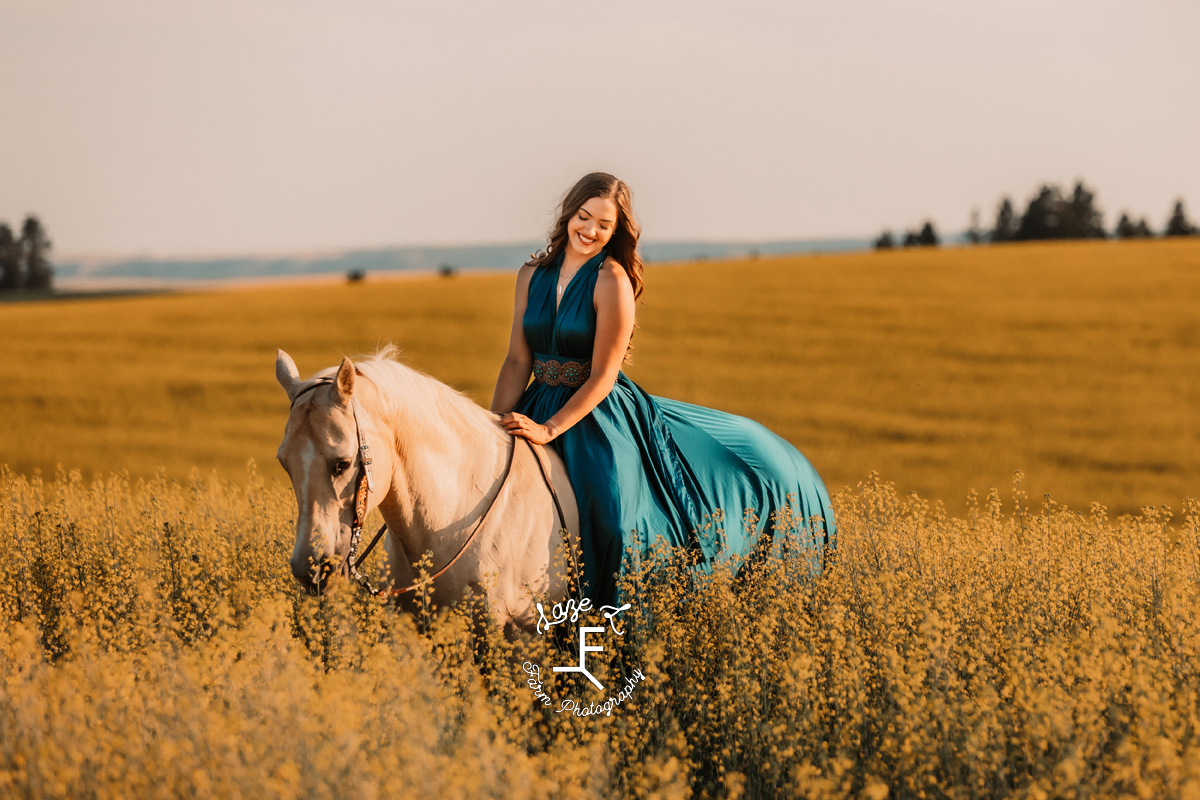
x,y
365,484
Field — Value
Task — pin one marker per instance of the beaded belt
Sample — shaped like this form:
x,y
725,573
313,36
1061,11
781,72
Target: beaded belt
x,y
553,372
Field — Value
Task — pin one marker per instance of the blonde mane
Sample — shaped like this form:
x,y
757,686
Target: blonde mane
x,y
404,387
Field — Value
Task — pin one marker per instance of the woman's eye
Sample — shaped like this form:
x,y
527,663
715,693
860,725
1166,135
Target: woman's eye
x,y
340,466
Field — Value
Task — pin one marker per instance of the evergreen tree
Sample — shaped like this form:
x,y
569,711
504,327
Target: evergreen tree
x,y
1179,224
1125,227
1050,215
1005,228
1042,218
928,236
10,260
1128,229
885,241
912,239
1084,219
35,253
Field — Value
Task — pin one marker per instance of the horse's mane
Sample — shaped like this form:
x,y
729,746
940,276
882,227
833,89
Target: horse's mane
x,y
402,385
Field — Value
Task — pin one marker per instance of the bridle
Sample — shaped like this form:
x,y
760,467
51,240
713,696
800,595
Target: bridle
x,y
364,484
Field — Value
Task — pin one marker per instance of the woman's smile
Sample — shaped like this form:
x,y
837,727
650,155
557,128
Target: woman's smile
x,y
591,227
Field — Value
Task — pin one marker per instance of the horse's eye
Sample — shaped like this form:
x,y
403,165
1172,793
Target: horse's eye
x,y
340,466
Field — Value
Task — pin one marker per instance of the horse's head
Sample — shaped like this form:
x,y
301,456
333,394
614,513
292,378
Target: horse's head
x,y
320,454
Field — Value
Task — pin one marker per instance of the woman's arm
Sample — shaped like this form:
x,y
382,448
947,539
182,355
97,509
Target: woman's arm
x,y
518,364
614,326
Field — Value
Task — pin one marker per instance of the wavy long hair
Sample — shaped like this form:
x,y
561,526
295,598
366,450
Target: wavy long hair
x,y
623,244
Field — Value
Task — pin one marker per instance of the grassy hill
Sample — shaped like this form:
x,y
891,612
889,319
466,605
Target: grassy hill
x,y
1077,363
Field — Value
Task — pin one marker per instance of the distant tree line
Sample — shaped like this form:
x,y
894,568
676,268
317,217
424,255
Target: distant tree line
x,y
1052,214
25,259
925,237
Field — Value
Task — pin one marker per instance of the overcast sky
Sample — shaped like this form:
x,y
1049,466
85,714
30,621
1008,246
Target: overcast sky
x,y
243,126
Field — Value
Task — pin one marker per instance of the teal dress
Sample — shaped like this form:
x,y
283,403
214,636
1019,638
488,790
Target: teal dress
x,y
644,466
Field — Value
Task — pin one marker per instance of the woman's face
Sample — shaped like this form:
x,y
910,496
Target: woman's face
x,y
592,226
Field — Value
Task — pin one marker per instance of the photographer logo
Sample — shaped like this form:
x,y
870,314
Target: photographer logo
x,y
570,612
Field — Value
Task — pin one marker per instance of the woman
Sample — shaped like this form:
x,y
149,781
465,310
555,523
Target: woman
x,y
639,465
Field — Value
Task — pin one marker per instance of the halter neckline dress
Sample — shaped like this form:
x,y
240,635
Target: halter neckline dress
x,y
644,466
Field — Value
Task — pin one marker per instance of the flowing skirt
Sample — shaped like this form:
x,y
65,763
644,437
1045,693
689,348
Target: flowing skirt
x,y
643,467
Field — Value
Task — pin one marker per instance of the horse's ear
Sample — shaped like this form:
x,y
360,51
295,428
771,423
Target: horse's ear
x,y
287,374
344,385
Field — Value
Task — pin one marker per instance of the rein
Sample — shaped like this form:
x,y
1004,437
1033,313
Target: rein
x,y
365,484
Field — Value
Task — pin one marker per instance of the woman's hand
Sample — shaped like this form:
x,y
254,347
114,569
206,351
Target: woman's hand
x,y
521,425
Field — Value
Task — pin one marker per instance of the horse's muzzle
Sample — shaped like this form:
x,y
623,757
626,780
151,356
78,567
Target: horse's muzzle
x,y
316,579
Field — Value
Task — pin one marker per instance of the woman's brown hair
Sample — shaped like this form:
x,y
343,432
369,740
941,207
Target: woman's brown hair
x,y
623,244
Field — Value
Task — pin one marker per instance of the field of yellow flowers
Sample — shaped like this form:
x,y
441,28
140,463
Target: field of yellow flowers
x,y
152,645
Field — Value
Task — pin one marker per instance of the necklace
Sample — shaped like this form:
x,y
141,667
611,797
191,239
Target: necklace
x,y
564,281
562,285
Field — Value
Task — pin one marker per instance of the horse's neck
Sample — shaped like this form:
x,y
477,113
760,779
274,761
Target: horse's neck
x,y
441,474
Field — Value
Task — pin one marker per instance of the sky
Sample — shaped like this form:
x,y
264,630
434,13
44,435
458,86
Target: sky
x,y
203,127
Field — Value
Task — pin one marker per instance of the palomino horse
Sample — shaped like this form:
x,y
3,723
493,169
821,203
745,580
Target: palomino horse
x,y
446,477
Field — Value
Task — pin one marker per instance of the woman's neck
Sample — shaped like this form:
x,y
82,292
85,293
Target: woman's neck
x,y
573,260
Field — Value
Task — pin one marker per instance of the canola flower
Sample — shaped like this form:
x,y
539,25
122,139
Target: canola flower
x,y
152,645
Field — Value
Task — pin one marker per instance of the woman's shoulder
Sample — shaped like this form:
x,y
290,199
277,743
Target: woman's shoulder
x,y
525,273
612,280
524,285
611,269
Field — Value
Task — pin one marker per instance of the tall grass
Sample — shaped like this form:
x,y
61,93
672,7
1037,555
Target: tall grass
x,y
152,645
